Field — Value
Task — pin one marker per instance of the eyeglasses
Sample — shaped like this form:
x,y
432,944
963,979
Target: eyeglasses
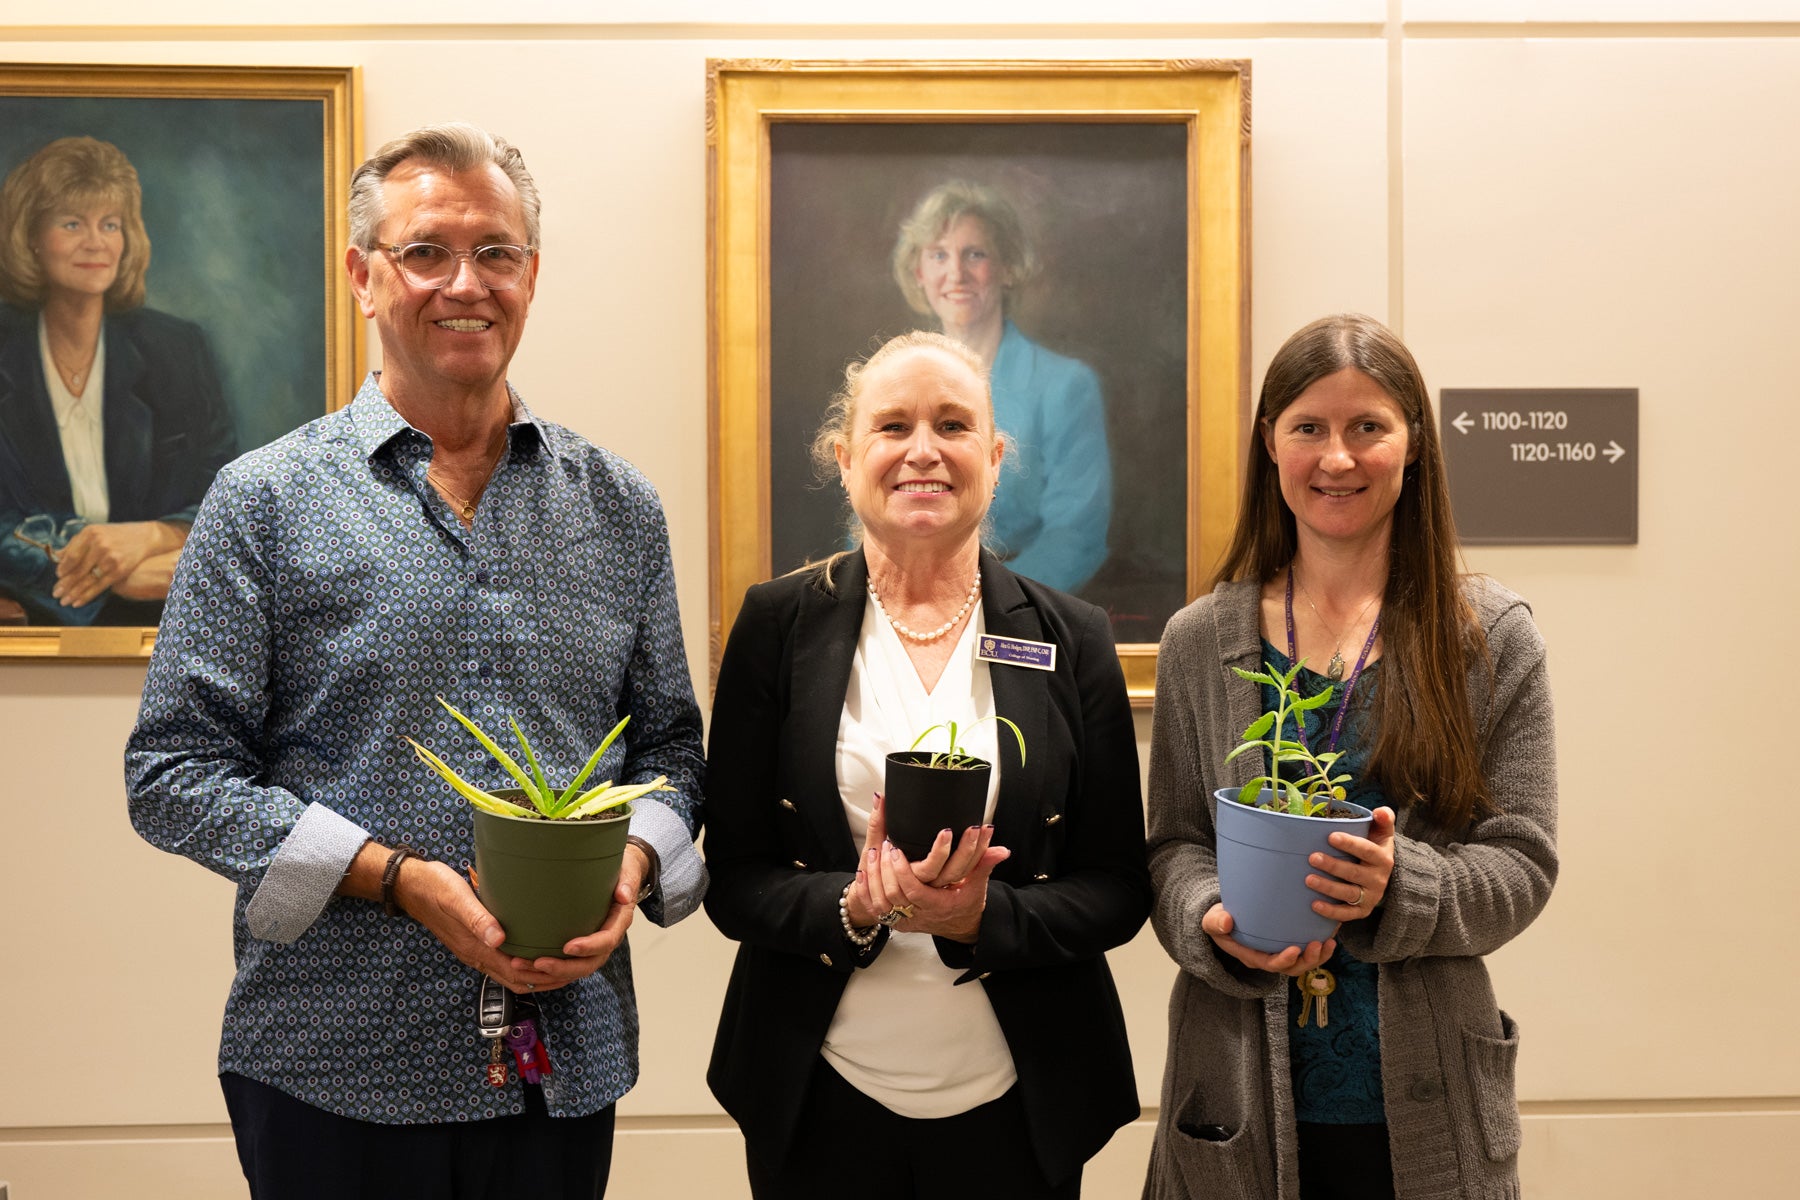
x,y
53,553
429,265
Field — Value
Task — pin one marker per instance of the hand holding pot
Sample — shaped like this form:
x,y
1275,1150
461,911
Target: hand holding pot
x,y
436,896
585,955
1295,960
877,892
952,910
950,858
439,898
1353,887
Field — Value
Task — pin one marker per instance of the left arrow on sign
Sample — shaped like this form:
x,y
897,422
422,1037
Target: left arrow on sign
x,y
1462,423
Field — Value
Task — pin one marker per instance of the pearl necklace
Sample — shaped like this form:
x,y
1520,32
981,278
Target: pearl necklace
x,y
941,630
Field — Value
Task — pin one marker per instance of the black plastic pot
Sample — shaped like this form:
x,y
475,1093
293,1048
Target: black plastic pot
x,y
921,801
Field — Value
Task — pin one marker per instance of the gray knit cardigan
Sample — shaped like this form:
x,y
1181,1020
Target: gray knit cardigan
x,y
1447,1051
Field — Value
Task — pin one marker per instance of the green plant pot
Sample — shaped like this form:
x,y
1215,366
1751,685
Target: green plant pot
x,y
548,881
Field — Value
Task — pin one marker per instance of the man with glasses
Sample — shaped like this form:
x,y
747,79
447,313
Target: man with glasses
x,y
434,538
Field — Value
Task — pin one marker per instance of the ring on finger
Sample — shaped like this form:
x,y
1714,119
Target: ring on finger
x,y
96,572
1357,903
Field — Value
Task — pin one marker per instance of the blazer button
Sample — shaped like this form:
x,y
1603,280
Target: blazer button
x,y
788,804
826,959
800,865
1039,878
1053,818
1425,1090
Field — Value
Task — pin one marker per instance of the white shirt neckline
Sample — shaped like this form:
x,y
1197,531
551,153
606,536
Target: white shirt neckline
x,y
81,428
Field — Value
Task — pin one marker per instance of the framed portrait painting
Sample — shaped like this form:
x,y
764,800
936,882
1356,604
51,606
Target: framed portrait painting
x,y
1104,206
171,295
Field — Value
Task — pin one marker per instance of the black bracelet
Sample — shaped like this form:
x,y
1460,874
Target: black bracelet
x,y
388,877
653,878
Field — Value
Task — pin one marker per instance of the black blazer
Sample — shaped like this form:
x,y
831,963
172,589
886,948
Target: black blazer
x,y
167,429
780,853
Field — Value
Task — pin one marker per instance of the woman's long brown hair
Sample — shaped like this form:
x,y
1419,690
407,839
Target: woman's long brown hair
x,y
1427,749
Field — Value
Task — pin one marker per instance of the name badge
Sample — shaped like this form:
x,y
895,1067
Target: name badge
x,y
1017,652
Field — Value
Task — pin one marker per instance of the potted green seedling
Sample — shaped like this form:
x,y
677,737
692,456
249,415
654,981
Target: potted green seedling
x,y
546,858
928,791
1269,828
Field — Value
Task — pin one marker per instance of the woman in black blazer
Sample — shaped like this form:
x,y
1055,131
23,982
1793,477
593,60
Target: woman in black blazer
x,y
112,421
1023,909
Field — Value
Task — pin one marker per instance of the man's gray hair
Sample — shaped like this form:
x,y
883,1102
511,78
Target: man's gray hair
x,y
453,147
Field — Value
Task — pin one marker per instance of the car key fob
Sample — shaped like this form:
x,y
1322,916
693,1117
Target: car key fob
x,y
496,1010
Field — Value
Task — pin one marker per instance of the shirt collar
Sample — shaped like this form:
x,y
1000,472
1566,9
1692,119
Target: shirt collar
x,y
374,423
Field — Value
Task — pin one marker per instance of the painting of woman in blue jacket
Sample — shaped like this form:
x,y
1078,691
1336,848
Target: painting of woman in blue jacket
x,y
112,421
960,257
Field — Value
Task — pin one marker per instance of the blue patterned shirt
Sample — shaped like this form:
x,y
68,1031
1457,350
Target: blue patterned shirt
x,y
325,596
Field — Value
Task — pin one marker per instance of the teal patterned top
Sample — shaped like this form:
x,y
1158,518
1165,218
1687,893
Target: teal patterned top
x,y
1336,1070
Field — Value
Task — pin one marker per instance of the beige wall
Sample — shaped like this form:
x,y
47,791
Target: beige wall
x,y
1604,203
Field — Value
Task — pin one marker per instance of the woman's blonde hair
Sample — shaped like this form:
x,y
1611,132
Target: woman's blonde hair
x,y
840,415
939,210
72,174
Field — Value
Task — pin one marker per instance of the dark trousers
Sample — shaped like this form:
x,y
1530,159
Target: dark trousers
x,y
292,1151
849,1145
1345,1162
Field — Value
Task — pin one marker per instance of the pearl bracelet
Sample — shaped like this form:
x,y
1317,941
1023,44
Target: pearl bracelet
x,y
860,940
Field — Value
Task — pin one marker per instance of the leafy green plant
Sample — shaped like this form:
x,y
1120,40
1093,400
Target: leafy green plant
x,y
1314,791
956,758
567,804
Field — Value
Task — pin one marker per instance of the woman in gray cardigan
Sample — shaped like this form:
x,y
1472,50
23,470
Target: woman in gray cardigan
x,y
1345,559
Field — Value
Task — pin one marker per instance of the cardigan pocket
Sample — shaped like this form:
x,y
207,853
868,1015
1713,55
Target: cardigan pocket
x,y
1212,1159
1492,1064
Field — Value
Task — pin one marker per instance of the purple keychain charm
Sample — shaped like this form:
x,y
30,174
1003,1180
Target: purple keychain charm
x,y
528,1051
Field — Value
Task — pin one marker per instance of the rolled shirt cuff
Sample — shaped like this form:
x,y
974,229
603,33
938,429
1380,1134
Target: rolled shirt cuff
x,y
304,874
683,881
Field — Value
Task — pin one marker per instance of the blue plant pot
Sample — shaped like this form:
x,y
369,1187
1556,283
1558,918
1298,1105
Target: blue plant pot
x,y
1263,868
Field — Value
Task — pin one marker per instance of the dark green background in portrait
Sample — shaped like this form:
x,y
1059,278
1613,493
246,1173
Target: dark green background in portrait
x,y
234,206
1104,205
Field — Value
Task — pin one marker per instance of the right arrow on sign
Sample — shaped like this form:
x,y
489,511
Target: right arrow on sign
x,y
1462,423
1614,451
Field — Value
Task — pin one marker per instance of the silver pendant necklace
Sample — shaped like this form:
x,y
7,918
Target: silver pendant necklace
x,y
1335,668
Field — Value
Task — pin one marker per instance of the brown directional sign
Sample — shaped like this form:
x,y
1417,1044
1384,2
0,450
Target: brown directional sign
x,y
1537,465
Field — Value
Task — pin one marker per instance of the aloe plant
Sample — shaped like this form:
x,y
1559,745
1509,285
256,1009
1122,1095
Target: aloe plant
x,y
566,804
956,758
1314,791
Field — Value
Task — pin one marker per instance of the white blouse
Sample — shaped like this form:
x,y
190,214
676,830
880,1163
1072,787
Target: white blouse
x,y
903,1035
80,421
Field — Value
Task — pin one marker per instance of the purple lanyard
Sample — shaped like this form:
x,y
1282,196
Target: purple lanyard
x,y
1337,726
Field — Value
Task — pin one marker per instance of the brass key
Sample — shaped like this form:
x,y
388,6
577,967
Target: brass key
x,y
1318,984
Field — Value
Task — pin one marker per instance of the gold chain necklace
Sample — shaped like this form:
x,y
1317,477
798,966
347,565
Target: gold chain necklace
x,y
74,378
467,506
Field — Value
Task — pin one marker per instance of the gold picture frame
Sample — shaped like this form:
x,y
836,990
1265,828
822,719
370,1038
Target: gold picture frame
x,y
244,173
769,122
